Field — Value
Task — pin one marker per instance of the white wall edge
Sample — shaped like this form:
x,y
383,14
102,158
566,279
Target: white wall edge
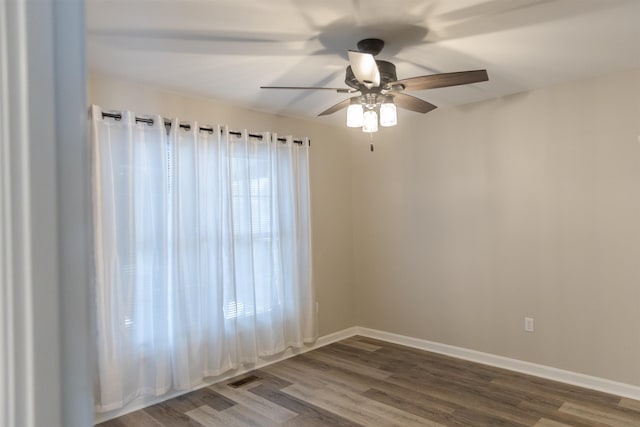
x,y
288,353
542,371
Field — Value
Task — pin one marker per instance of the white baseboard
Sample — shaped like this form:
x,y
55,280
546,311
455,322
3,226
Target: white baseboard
x,y
141,403
337,336
555,374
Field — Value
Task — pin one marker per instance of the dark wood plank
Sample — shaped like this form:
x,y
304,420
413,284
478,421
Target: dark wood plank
x,y
421,408
469,399
201,397
472,417
169,417
134,419
302,408
632,404
553,414
271,380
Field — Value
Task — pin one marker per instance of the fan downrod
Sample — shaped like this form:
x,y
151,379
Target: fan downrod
x,y
371,46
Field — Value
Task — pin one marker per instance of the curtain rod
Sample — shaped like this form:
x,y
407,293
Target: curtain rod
x,y
167,122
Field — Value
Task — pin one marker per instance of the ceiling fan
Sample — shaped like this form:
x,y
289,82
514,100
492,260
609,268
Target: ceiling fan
x,y
381,90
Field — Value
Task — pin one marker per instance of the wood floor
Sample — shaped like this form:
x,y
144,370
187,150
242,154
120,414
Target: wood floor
x,y
364,382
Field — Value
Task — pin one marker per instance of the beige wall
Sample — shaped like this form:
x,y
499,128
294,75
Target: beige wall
x,y
469,219
466,220
330,179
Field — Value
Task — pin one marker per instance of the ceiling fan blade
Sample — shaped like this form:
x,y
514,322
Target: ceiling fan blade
x,y
443,80
412,103
339,106
336,89
365,69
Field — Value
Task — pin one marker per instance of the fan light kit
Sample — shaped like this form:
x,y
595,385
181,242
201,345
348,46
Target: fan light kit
x,y
381,91
362,113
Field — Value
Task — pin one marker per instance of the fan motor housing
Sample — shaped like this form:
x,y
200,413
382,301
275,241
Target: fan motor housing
x,y
372,46
387,75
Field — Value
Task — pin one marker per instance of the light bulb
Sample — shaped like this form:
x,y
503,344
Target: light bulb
x,y
388,114
370,122
354,116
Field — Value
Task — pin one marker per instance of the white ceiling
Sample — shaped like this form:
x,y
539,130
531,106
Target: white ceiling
x,y
227,49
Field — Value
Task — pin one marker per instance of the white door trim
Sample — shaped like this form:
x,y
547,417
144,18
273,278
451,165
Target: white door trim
x,y
6,308
16,298
44,220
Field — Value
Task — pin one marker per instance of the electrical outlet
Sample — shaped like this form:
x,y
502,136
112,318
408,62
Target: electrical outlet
x,y
528,324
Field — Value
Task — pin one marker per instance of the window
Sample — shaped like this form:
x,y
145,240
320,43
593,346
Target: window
x,y
202,254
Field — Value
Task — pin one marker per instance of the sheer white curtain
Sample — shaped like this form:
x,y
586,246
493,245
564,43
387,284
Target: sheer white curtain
x,y
130,203
215,233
